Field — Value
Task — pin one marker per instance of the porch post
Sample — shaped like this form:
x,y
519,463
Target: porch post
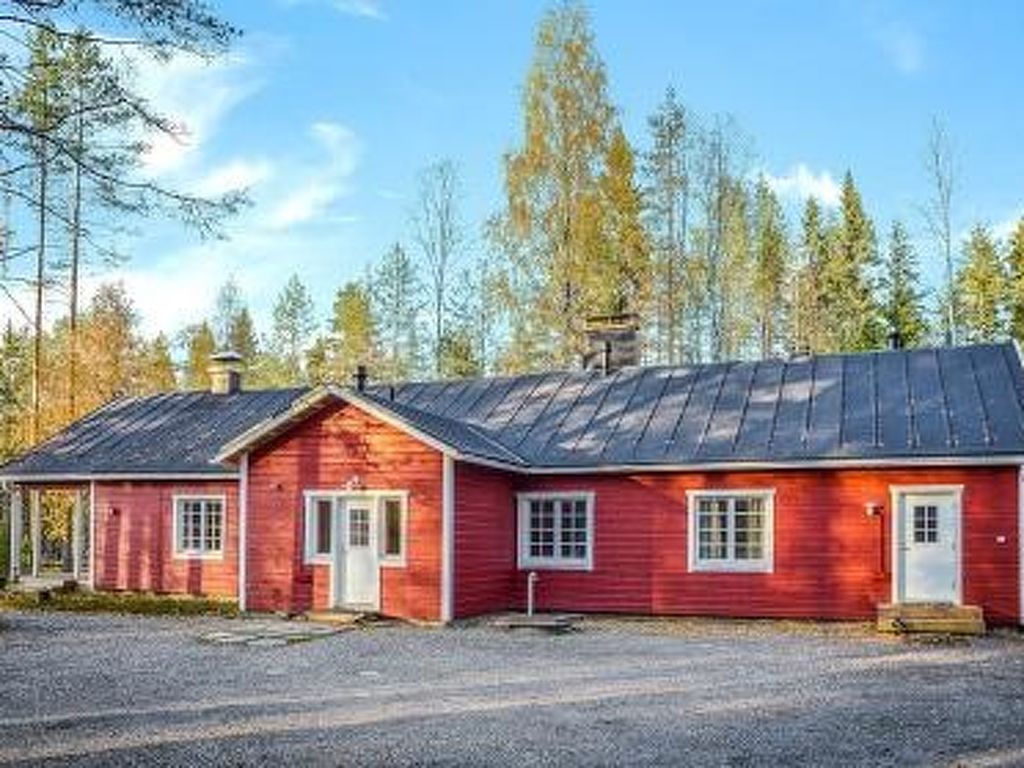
x,y
16,522
36,530
76,537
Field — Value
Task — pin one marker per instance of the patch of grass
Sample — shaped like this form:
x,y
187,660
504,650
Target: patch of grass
x,y
117,602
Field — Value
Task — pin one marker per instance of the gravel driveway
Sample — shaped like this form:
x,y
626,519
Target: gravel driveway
x,y
101,690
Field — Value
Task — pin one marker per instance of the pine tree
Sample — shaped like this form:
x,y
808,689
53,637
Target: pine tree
x,y
771,264
736,275
666,170
1015,290
903,303
157,367
394,292
807,321
293,327
200,345
355,334
981,289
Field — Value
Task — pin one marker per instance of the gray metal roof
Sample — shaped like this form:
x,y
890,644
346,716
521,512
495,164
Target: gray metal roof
x,y
952,402
166,434
946,403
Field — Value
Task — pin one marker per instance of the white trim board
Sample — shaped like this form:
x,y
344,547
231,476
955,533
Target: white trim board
x,y
1020,537
243,531
447,538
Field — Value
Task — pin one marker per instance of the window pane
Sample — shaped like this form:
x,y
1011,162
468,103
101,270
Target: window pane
x,y
731,528
322,526
359,527
926,524
212,529
393,527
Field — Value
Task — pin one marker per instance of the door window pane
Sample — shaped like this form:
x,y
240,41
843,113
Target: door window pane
x,y
359,527
926,524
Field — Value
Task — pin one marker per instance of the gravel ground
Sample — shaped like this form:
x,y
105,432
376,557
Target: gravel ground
x,y
102,690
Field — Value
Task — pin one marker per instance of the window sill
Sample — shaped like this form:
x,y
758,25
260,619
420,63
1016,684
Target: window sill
x,y
214,556
555,565
731,568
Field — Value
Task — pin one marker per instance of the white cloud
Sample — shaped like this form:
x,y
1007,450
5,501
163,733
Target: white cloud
x,y
315,191
366,9
904,47
800,183
369,9
235,175
195,94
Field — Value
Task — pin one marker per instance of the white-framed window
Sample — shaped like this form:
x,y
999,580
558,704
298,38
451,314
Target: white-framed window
x,y
556,530
731,530
199,526
391,516
319,528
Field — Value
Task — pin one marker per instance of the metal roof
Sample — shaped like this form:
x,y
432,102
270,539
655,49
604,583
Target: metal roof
x,y
950,402
175,433
945,404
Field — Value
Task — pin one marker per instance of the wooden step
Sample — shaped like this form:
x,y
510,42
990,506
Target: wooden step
x,y
934,618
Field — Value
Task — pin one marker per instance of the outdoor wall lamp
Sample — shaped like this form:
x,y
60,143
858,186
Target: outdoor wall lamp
x,y
872,509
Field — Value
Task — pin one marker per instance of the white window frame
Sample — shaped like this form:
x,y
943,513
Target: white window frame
x,y
376,499
557,562
309,528
765,565
177,502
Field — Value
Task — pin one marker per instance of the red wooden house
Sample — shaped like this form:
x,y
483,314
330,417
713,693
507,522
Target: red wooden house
x,y
812,487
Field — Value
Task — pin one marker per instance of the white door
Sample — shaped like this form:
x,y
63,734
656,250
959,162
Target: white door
x,y
928,542
356,566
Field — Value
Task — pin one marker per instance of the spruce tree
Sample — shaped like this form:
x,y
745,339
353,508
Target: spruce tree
x,y
981,289
903,301
848,281
1015,289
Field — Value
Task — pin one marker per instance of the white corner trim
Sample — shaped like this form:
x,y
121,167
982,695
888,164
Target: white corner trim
x,y
765,565
92,534
1020,538
243,530
447,537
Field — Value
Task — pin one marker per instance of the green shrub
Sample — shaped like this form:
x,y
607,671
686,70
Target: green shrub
x,y
117,602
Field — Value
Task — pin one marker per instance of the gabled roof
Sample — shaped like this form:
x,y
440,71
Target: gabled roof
x,y
175,433
959,404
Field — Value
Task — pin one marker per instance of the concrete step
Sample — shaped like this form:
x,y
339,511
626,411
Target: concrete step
x,y
337,618
556,623
933,618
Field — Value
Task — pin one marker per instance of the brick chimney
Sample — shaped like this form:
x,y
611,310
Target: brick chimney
x,y
225,372
613,342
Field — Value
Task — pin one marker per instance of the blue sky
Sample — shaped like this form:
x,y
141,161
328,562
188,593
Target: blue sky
x,y
329,108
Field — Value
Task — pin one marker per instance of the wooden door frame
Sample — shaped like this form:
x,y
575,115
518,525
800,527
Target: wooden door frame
x,y
896,495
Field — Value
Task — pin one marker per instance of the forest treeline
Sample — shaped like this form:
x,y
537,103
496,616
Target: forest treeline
x,y
674,225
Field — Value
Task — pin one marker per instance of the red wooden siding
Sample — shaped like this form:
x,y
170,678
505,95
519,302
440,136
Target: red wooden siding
x,y
485,540
831,560
134,540
326,452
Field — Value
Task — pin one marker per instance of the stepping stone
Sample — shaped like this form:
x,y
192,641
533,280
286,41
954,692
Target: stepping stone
x,y
267,642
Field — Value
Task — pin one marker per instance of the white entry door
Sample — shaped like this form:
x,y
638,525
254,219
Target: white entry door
x,y
928,544
356,565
